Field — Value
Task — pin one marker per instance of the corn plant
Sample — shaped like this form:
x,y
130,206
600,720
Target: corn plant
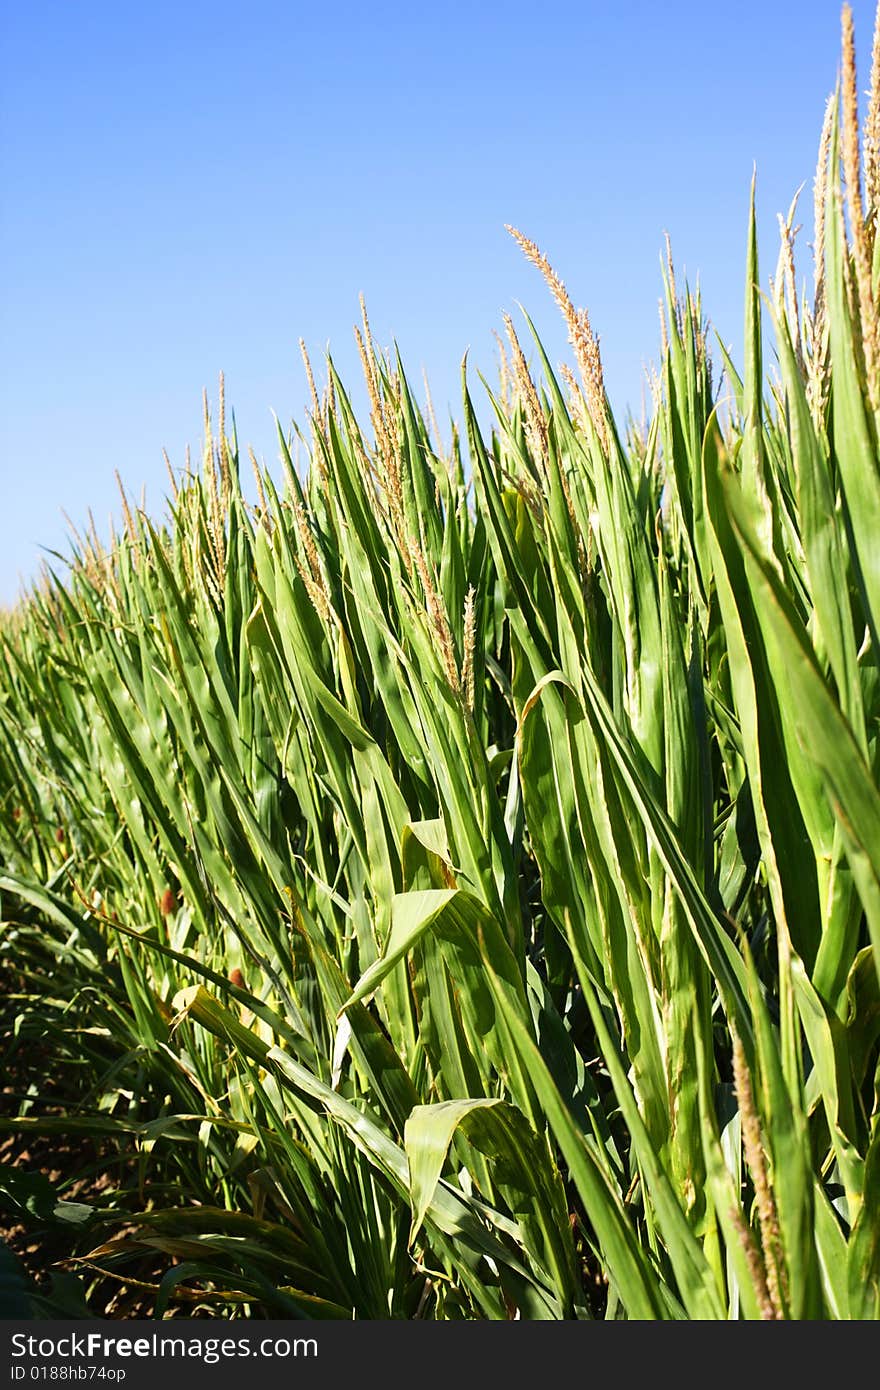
x,y
449,885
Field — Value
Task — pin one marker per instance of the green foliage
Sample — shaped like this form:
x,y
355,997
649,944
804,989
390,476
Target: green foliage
x,y
452,886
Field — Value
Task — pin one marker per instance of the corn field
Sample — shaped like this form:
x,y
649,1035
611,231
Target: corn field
x,y
448,885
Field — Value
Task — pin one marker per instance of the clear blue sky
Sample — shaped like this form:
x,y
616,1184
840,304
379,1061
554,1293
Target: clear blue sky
x,y
188,187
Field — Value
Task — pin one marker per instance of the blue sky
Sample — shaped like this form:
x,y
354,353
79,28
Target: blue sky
x,y
191,187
